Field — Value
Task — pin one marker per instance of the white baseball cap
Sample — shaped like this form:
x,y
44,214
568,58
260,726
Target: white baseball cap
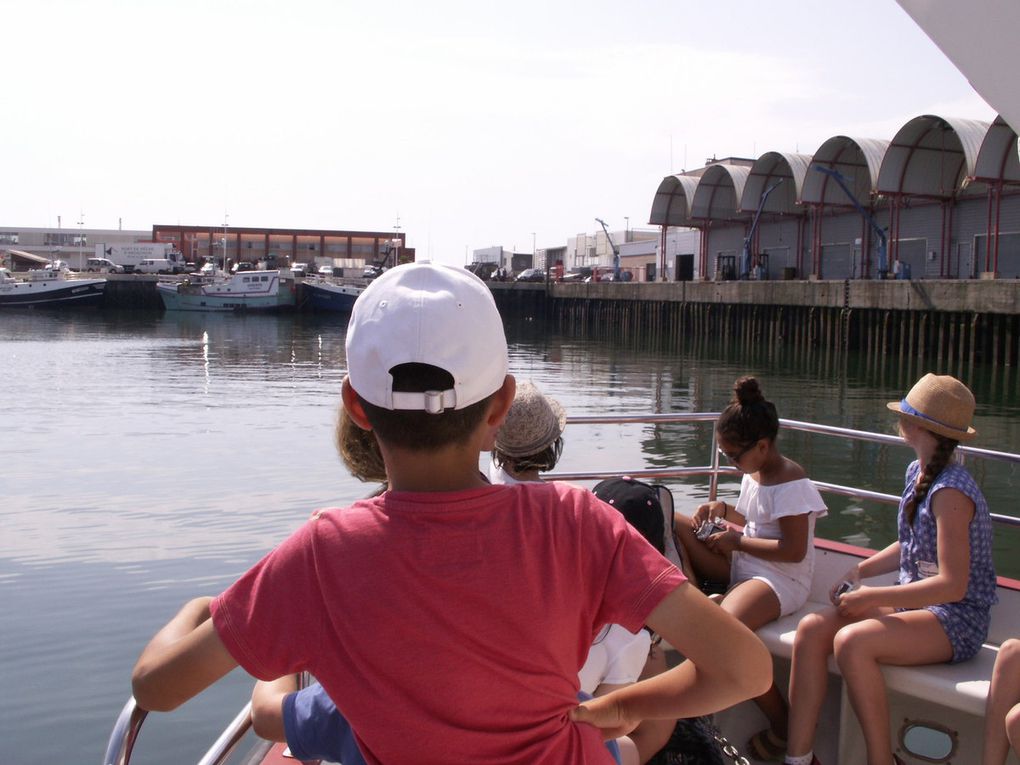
x,y
428,314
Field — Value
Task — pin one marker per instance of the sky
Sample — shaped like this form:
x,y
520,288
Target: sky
x,y
466,123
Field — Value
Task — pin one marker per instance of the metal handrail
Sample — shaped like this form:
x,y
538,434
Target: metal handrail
x,y
229,739
129,723
124,734
713,470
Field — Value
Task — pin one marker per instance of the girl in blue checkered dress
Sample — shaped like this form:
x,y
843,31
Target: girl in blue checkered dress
x,y
939,610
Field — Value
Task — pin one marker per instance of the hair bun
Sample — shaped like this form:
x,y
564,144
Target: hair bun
x,y
747,391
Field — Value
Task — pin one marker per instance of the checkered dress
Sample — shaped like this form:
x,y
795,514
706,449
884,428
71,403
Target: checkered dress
x,y
966,621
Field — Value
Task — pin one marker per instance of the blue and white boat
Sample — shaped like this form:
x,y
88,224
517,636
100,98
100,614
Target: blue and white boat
x,y
243,291
51,286
325,295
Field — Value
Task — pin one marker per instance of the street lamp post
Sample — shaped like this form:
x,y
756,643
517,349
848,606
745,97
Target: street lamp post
x,y
81,238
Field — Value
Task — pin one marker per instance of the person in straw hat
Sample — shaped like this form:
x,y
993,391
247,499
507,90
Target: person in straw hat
x,y
939,611
531,439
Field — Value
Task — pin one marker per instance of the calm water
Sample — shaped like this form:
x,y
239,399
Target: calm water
x,y
147,459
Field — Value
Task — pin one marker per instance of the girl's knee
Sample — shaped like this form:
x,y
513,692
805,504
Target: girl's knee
x,y
1009,653
813,630
850,642
1013,726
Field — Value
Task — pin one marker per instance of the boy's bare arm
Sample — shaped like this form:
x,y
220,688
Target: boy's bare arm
x,y
727,664
267,706
184,658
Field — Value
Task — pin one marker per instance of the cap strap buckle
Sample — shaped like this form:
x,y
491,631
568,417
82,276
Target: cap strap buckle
x,y
434,401
431,401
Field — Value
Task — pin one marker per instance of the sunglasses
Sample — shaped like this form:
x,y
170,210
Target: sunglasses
x,y
735,458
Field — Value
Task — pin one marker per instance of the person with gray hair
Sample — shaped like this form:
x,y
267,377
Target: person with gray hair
x,y
531,439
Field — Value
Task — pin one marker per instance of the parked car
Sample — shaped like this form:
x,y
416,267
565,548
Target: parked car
x,y
299,269
531,275
371,272
155,266
326,271
578,274
242,265
103,266
602,274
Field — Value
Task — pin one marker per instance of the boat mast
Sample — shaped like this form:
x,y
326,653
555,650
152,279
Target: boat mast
x,y
225,224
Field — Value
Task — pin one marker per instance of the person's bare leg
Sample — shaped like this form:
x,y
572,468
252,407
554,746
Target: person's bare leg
x,y
809,677
904,639
1013,728
755,604
1003,695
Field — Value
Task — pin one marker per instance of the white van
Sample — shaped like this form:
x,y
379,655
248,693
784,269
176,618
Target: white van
x,y
103,266
155,266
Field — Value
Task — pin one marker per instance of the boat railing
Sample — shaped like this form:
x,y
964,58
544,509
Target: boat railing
x,y
125,731
129,723
714,470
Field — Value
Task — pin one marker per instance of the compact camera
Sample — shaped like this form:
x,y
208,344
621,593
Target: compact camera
x,y
709,527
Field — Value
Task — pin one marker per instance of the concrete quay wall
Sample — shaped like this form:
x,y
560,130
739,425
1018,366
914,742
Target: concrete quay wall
x,y
945,326
964,296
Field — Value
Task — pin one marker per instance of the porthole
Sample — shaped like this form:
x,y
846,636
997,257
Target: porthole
x,y
928,741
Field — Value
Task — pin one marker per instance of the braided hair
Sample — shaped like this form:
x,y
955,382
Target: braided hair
x,y
939,459
749,417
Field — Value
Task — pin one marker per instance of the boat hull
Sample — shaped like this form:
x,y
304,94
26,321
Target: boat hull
x,y
58,293
227,297
325,296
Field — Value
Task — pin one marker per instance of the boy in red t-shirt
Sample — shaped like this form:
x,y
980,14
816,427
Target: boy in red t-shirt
x,y
447,618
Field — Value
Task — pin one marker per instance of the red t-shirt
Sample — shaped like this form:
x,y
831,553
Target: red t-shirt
x,y
450,626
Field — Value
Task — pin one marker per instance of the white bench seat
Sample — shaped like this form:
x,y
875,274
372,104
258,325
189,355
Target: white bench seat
x,y
963,686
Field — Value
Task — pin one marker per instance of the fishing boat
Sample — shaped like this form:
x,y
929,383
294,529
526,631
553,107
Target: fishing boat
x,y
242,291
936,711
52,286
322,294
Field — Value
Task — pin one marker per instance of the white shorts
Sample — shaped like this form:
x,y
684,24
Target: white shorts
x,y
792,592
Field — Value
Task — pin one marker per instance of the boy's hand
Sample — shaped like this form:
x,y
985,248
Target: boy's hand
x,y
605,714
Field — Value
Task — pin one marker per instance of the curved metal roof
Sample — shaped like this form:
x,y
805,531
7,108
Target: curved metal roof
x,y
997,159
671,205
719,192
770,168
857,159
931,156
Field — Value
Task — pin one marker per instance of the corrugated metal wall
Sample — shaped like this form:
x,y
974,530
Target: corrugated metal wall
x,y
839,233
920,235
724,242
779,241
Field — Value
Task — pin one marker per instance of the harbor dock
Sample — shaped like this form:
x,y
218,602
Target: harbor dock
x,y
951,325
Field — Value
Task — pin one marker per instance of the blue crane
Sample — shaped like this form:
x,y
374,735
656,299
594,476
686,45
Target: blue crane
x,y
616,251
883,266
745,259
